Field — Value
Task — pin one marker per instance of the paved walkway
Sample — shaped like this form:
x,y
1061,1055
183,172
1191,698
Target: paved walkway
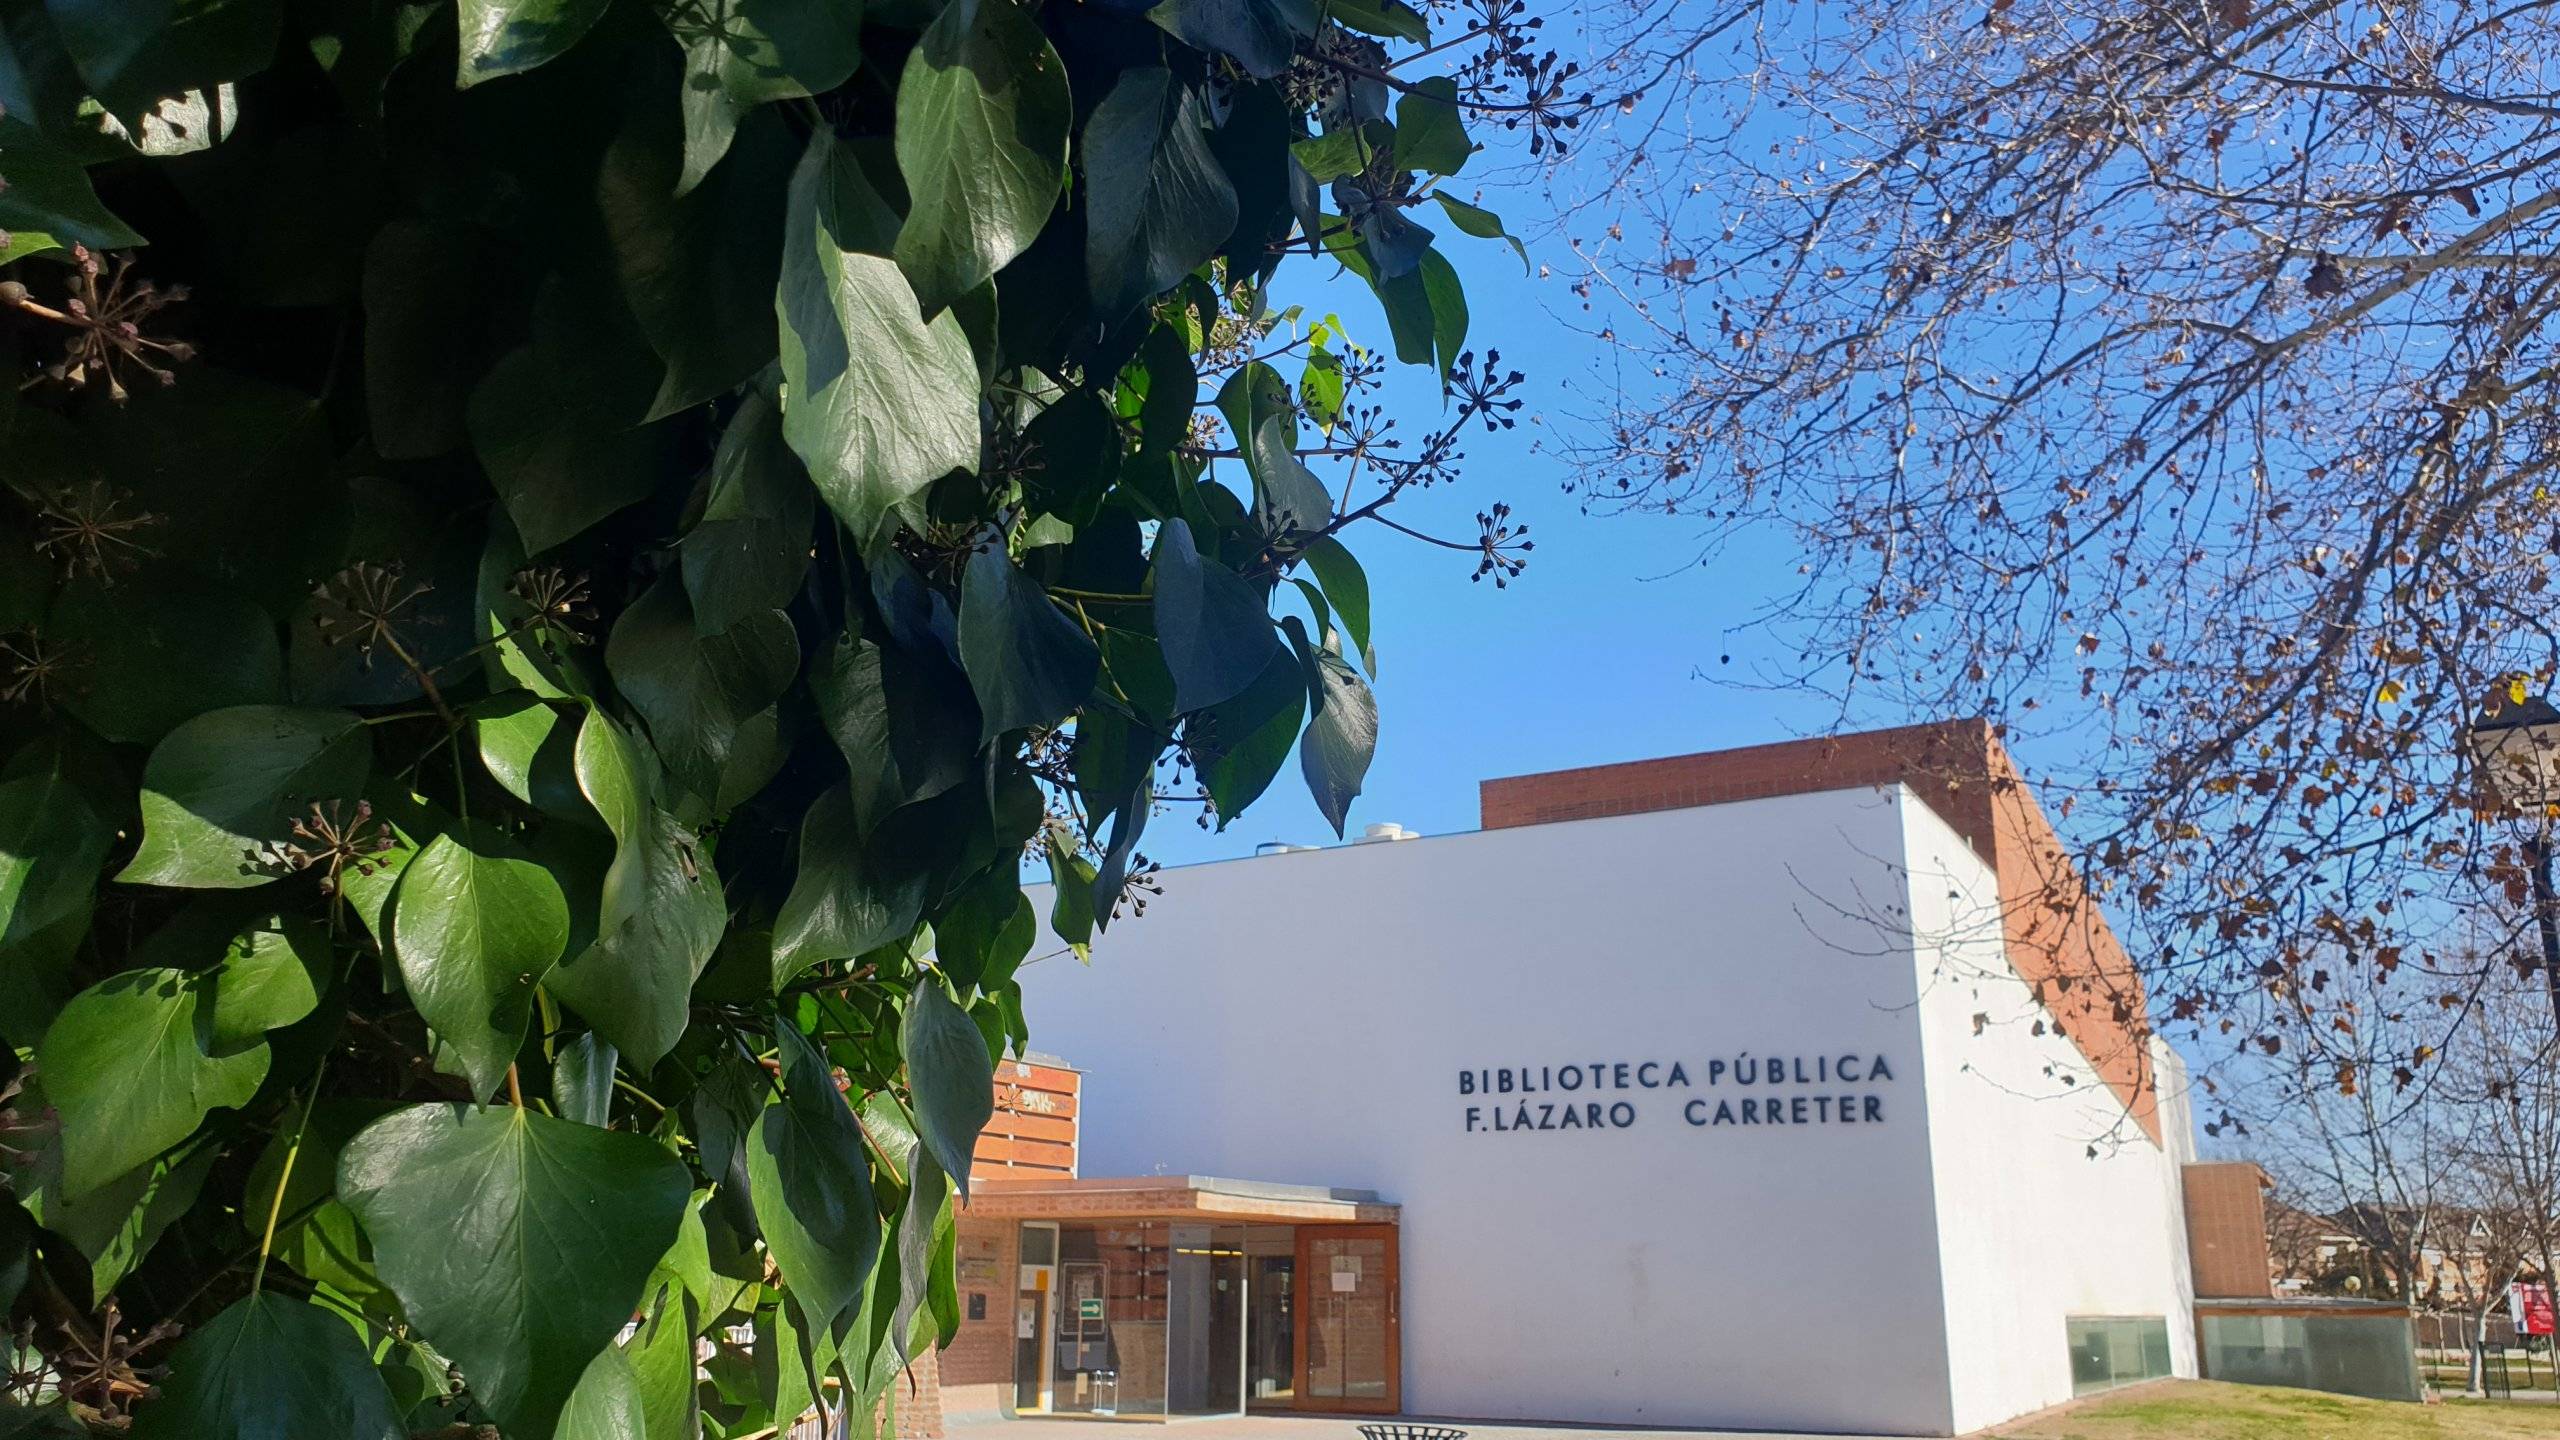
x,y
1321,1427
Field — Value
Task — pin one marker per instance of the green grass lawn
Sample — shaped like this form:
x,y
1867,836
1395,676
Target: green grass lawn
x,y
2207,1410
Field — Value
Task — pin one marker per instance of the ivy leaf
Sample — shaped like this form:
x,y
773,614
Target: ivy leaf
x,y
477,924
616,776
849,897
811,1183
561,460
741,53
1345,150
225,784
606,1404
750,549
635,983
1288,498
270,1365
1386,19
952,1075
1262,35
905,722
1248,737
1071,890
161,648
270,976
513,731
52,845
1342,733
1430,133
1075,444
1027,662
1214,628
663,1368
564,1223
1347,586
698,267
986,933
878,402
982,141
1482,223
708,698
129,1068
508,37
1157,203
49,204
116,1225
420,353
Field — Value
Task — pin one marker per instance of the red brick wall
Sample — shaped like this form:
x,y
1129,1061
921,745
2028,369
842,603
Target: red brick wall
x,y
977,1369
2056,938
2227,1230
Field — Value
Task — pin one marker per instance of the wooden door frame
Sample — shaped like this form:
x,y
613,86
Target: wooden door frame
x,y
1303,1397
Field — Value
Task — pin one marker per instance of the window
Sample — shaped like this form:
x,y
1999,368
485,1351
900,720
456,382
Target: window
x,y
2112,1350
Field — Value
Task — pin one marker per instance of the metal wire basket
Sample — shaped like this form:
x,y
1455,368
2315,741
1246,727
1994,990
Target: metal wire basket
x,y
1411,1432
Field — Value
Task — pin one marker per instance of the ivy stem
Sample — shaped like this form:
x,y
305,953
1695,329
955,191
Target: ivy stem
x,y
284,1177
637,1093
515,1089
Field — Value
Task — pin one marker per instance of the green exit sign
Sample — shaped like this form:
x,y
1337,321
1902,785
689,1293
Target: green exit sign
x,y
1089,1309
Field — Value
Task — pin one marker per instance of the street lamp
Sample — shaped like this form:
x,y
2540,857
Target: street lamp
x,y
2519,753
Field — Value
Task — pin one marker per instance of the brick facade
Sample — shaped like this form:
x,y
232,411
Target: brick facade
x,y
2227,1230
2055,936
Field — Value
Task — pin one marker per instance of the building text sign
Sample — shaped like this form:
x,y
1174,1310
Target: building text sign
x,y
1776,1091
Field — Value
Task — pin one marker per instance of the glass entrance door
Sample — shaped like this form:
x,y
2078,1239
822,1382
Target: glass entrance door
x,y
1348,1354
1032,1317
1271,1331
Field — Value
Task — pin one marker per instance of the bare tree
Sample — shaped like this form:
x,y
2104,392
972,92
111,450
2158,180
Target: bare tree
x,y
2176,377
2508,1148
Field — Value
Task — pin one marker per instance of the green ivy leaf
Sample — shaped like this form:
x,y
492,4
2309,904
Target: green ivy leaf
x,y
49,204
316,1235
161,648
635,983
478,923
1386,19
1028,663
513,730
1071,890
982,141
582,1080
1342,733
606,1404
741,53
986,933
709,699
561,459
225,784
270,1365
1214,628
698,267
618,778
508,37
1075,444
1346,150
270,976
849,897
129,1068
906,723
663,1368
1430,133
811,1184
750,549
564,1221
879,403
1248,738
1482,223
1261,35
1347,586
52,846
952,1076
116,1225
1157,203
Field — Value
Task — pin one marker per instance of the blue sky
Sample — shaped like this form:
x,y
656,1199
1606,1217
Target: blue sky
x,y
1591,656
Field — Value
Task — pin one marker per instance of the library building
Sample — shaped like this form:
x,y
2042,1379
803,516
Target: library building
x,y
1674,1089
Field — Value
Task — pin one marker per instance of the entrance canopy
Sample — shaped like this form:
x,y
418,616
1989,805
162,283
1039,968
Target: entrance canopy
x,y
1207,1198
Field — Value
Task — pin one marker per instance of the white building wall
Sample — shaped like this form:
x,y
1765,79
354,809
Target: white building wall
x,y
2051,1202
1305,1017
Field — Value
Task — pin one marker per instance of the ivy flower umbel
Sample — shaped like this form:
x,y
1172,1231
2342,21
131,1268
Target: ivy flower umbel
x,y
330,839
360,605
33,671
556,602
87,530
106,321
1501,549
